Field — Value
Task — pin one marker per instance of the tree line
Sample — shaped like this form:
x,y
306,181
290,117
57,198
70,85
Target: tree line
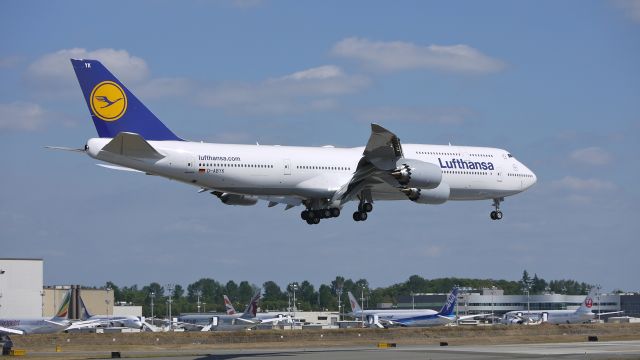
x,y
208,293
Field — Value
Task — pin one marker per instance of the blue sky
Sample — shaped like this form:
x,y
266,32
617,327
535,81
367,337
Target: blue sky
x,y
556,83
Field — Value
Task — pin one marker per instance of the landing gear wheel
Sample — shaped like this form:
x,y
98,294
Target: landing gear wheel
x,y
335,212
316,220
496,214
304,214
367,207
326,213
310,221
360,216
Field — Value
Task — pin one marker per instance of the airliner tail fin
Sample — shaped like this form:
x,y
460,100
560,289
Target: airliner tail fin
x,y
113,107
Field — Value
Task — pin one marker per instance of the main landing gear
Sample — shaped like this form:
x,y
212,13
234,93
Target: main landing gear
x,y
313,217
363,209
496,214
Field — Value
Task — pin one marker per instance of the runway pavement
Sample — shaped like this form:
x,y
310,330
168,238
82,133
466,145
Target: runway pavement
x,y
584,350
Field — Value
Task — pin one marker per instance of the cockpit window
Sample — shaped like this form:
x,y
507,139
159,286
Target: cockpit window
x,y
510,155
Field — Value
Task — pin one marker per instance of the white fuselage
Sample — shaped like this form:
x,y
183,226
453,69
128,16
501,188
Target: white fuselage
x,y
34,326
472,173
552,316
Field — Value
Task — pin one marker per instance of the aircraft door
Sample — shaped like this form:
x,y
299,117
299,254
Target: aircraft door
x,y
499,173
545,317
214,321
287,166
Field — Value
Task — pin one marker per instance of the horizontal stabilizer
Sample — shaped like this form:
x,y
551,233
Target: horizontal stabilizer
x,y
64,148
131,145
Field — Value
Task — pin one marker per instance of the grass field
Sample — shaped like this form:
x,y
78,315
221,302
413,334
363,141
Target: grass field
x,y
462,335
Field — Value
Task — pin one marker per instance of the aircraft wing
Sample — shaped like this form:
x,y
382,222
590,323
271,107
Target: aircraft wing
x,y
248,321
87,324
609,313
379,157
11,331
471,316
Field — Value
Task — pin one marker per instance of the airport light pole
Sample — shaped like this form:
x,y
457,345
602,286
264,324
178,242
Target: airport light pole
x,y
294,287
2,271
204,307
493,289
170,288
599,310
198,293
413,301
339,292
153,296
457,305
42,301
362,302
107,301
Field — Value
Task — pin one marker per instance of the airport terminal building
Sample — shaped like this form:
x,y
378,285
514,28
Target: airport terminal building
x,y
493,301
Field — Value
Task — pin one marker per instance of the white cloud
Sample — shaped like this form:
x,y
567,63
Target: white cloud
x,y
397,55
56,66
52,74
21,116
580,185
164,87
630,7
311,89
591,156
451,116
320,72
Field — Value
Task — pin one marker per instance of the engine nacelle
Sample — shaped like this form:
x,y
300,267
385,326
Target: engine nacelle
x,y
417,174
235,199
435,196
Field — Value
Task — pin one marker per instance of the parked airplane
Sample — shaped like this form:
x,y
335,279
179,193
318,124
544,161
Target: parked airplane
x,y
39,325
228,306
322,179
223,322
582,314
269,317
89,321
421,317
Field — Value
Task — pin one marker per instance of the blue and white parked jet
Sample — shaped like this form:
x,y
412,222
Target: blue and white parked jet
x,y
413,318
322,179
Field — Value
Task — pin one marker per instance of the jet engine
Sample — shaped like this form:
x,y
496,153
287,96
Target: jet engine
x,y
417,174
235,199
435,196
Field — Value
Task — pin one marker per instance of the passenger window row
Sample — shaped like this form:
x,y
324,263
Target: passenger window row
x,y
261,166
310,167
451,154
466,172
520,175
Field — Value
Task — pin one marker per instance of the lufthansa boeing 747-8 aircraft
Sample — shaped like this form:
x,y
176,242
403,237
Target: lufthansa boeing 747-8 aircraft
x,y
322,179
